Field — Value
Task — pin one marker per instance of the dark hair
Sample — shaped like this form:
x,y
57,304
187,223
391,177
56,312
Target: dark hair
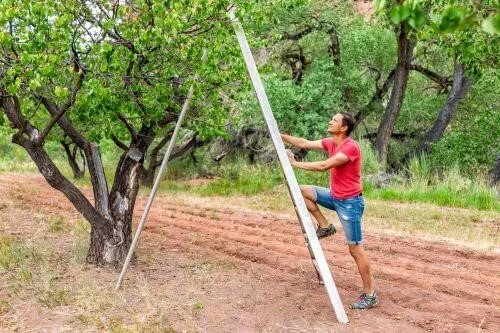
x,y
348,120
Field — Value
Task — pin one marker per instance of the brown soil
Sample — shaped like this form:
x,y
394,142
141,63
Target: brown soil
x,y
206,266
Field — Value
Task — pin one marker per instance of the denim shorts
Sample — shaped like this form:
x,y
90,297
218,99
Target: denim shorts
x,y
349,211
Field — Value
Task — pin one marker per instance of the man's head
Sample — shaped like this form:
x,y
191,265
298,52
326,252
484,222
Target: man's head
x,y
342,122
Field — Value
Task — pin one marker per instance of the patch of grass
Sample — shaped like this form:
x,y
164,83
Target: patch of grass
x,y
25,274
47,287
464,225
4,306
80,232
197,305
196,308
54,297
13,157
209,266
116,325
477,195
13,254
58,224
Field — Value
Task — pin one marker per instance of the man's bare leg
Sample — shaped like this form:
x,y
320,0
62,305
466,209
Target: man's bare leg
x,y
358,253
312,207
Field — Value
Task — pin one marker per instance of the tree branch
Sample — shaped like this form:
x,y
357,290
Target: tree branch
x,y
376,98
12,108
128,124
62,120
64,108
119,143
443,81
179,152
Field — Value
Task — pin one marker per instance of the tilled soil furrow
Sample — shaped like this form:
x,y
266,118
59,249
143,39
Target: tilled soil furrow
x,y
417,250
262,253
290,245
432,250
478,281
405,302
251,251
440,266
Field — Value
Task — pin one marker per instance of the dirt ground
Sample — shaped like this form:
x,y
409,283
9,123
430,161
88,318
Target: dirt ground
x,y
207,266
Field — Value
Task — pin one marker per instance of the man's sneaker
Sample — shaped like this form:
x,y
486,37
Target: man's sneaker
x,y
325,232
365,301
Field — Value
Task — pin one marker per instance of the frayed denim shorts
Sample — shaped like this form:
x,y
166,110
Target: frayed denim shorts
x,y
349,211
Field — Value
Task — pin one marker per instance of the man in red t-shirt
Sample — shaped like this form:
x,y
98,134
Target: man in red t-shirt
x,y
344,195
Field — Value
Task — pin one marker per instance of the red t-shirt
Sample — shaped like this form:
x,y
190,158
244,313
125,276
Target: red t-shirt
x,y
345,180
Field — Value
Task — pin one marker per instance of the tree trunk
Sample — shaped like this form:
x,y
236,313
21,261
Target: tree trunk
x,y
110,217
148,175
122,200
72,155
495,172
460,87
376,100
405,52
334,49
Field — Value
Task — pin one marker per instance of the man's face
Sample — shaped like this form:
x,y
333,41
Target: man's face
x,y
335,125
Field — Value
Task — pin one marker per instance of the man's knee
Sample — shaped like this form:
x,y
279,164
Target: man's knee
x,y
307,192
356,251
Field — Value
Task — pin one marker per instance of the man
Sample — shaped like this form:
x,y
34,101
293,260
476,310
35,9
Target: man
x,y
344,195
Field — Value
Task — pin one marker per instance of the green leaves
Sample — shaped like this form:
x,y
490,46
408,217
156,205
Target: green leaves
x,y
417,19
448,15
61,92
400,14
492,24
410,12
454,18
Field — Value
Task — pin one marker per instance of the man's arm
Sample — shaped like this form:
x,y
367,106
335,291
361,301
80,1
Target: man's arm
x,y
333,162
301,143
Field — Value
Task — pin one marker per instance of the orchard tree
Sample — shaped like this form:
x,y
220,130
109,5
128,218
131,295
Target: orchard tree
x,y
468,30
84,70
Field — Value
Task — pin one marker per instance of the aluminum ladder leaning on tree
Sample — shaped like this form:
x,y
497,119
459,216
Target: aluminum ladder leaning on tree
x,y
311,239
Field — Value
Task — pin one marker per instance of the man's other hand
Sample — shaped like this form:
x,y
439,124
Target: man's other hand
x,y
291,156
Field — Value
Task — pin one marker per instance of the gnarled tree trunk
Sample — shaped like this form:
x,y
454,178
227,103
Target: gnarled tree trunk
x,y
386,127
72,155
460,86
110,216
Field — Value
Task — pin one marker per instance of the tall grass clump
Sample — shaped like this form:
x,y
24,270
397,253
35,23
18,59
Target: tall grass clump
x,y
371,166
420,171
241,179
444,187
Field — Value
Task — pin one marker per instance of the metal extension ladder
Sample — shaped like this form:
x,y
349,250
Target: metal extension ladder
x,y
308,229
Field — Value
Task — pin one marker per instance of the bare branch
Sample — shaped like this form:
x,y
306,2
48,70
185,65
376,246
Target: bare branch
x,y
443,81
62,120
128,124
118,142
376,98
